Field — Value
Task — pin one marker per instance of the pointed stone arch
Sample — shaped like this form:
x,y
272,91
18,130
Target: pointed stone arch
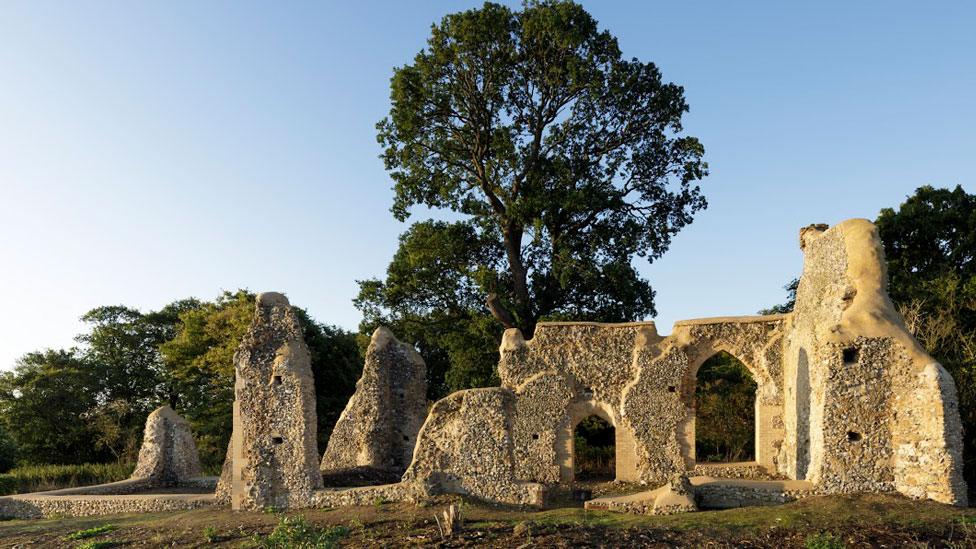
x,y
750,407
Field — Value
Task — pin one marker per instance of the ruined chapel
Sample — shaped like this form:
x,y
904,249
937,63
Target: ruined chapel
x,y
846,401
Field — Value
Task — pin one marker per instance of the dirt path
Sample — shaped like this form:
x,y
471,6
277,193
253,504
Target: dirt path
x,y
854,521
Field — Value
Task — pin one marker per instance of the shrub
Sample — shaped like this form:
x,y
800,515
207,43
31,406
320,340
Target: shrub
x,y
824,540
295,532
37,478
210,534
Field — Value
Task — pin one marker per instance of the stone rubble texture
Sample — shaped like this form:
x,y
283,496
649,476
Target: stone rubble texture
x,y
168,455
846,398
378,427
846,401
274,458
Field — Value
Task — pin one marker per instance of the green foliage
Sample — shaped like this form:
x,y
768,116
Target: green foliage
x,y
122,354
336,365
8,451
91,532
933,233
44,403
563,162
823,540
930,248
296,533
430,299
36,478
199,362
725,399
594,451
210,535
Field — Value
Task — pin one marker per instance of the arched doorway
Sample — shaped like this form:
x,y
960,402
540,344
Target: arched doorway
x,y
595,418
594,450
725,411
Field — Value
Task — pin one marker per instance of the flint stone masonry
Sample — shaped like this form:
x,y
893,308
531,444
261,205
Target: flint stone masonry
x,y
28,506
714,493
675,497
274,459
867,408
627,374
124,496
846,401
378,428
465,447
168,456
846,398
363,495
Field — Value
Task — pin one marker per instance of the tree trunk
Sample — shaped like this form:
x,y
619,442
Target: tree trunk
x,y
524,318
499,311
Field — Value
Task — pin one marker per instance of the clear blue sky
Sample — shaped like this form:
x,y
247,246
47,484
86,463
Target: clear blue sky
x,y
154,151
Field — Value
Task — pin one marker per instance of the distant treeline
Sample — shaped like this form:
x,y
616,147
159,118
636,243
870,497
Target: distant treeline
x,y
89,404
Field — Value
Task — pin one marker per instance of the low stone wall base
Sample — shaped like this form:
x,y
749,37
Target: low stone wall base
x,y
30,507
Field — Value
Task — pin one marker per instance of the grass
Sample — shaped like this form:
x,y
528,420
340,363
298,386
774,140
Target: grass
x,y
91,532
843,512
38,478
210,535
823,540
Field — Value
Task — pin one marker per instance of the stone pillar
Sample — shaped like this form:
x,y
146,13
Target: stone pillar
x,y
273,450
378,428
168,456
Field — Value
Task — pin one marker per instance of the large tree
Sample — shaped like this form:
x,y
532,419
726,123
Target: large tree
x,y
558,160
121,351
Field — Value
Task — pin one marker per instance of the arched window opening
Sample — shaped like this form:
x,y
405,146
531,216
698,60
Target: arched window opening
x,y
725,411
594,450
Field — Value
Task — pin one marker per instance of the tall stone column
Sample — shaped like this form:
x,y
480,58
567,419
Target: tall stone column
x,y
274,458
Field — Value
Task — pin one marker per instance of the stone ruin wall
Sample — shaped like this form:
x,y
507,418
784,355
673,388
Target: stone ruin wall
x,y
757,342
846,398
846,401
274,458
627,374
466,447
168,456
867,408
378,428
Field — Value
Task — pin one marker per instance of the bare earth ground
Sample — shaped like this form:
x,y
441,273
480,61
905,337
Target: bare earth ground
x,y
856,521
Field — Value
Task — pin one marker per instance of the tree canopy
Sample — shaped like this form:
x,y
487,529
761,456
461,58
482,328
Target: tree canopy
x,y
558,161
